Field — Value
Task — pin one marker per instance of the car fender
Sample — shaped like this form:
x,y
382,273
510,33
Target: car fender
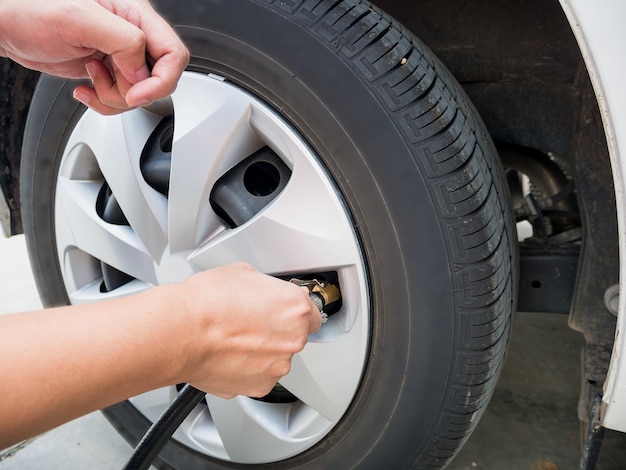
x,y
599,30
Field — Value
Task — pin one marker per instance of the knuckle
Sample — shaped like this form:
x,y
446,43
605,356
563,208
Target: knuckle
x,y
136,39
299,344
243,265
185,57
283,368
261,390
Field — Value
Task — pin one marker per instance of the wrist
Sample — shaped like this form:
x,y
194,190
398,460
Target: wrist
x,y
178,331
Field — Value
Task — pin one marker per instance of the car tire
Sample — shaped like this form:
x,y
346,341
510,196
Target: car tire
x,y
421,183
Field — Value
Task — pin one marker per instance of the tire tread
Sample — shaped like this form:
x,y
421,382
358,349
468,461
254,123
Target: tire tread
x,y
458,161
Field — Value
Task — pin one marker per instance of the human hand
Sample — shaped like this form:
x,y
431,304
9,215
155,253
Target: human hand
x,y
250,325
105,40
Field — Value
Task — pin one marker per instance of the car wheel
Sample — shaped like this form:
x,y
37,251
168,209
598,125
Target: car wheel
x,y
315,142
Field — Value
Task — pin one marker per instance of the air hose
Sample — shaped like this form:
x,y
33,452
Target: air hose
x,y
163,428
321,294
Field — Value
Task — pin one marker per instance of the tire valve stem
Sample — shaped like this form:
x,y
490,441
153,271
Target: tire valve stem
x,y
321,293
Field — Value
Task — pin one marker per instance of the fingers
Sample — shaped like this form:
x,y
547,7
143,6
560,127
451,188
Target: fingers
x,y
105,96
118,38
247,351
126,82
315,316
170,58
162,82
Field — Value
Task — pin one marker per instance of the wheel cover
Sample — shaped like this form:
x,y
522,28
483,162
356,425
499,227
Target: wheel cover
x,y
305,229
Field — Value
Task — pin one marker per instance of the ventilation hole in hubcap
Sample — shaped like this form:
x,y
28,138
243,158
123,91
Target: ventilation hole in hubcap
x,y
261,179
156,157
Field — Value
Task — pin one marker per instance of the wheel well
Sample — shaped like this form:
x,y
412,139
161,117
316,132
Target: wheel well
x,y
519,62
16,89
521,66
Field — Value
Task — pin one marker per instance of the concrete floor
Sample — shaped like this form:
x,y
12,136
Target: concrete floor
x,y
530,424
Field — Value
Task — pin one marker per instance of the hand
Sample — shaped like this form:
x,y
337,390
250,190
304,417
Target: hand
x,y
261,322
105,40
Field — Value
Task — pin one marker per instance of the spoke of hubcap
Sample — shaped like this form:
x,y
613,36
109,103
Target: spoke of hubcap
x,y
252,431
80,226
209,139
324,375
117,143
290,235
153,402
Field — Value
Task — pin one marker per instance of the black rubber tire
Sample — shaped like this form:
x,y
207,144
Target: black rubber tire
x,y
424,186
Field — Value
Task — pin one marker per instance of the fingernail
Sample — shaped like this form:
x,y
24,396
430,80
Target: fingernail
x,y
91,71
140,104
81,97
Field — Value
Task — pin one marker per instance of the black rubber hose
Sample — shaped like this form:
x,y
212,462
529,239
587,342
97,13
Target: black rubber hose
x,y
163,428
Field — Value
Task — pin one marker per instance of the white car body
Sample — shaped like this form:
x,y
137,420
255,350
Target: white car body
x,y
600,33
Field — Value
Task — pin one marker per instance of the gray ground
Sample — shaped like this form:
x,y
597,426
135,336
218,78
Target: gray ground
x,y
531,423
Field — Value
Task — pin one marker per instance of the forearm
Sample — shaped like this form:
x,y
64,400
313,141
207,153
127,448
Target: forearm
x,y
62,363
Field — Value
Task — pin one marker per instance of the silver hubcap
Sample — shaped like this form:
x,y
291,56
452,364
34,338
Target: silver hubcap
x,y
304,229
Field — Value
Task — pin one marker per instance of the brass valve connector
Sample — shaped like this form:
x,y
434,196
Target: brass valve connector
x,y
322,293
